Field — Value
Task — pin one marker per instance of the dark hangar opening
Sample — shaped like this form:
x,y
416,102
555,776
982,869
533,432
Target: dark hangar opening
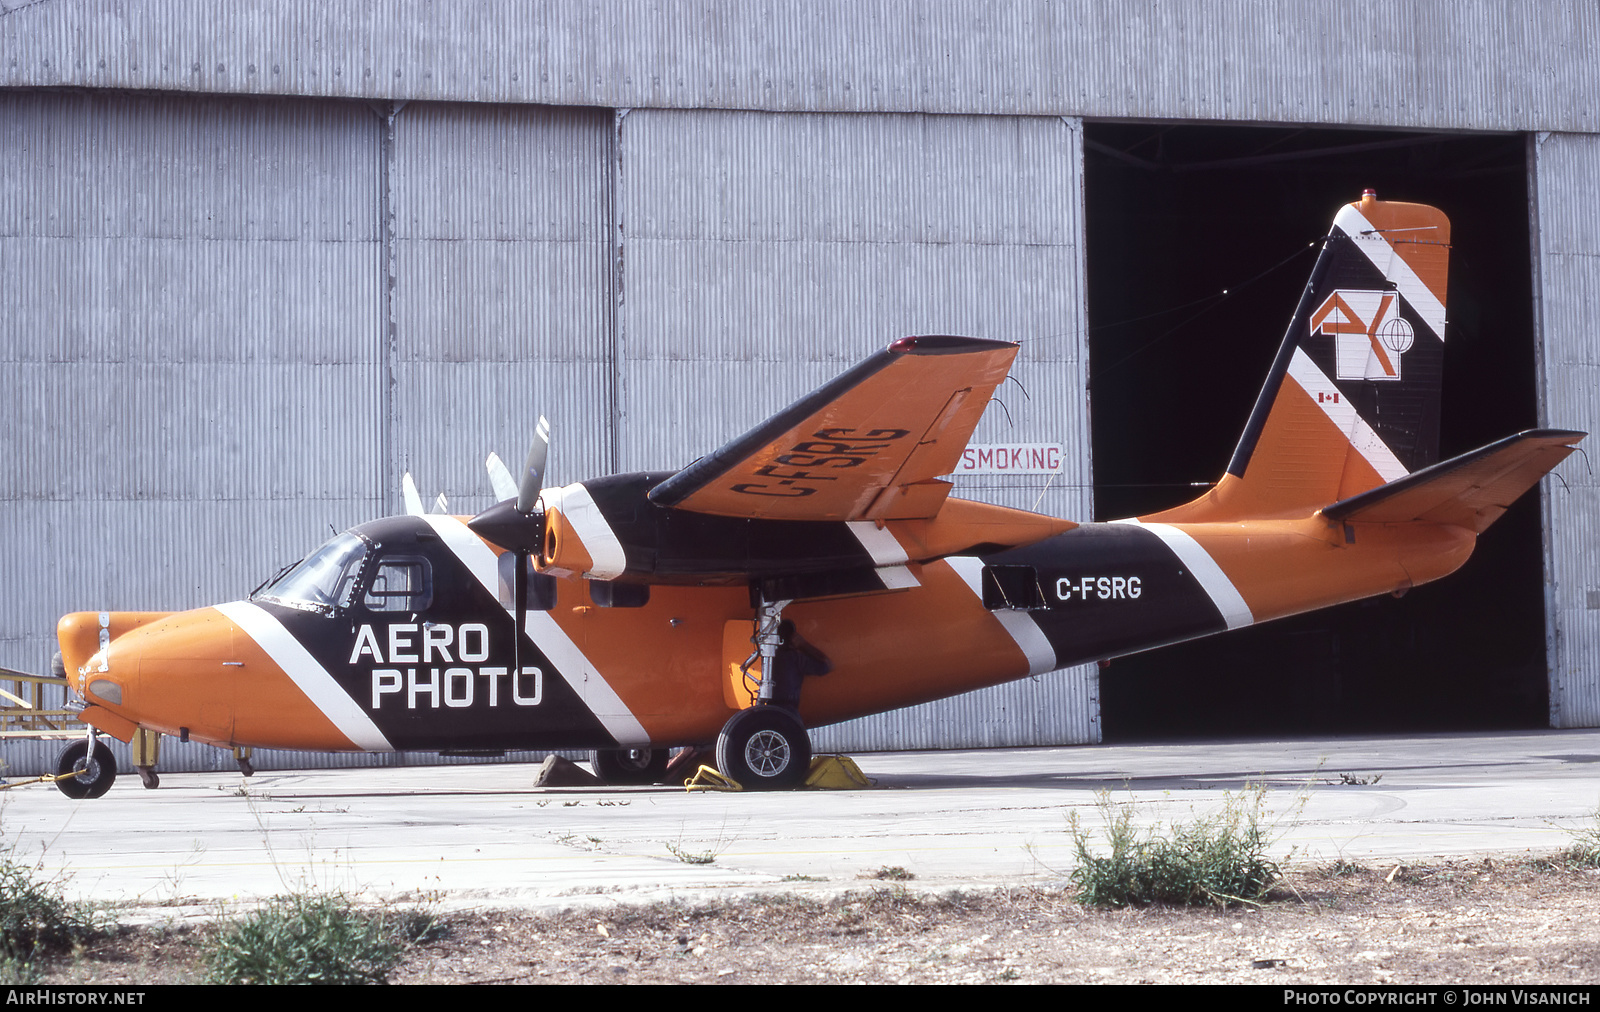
x,y
1176,216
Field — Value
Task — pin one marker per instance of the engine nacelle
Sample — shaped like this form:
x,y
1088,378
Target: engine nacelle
x,y
609,530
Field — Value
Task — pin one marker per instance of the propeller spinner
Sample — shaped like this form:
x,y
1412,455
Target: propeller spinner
x,y
516,522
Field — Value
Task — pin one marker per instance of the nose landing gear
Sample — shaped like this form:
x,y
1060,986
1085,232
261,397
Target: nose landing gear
x,y
87,769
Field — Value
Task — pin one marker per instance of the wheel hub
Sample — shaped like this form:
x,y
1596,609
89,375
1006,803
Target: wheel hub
x,y
636,758
767,753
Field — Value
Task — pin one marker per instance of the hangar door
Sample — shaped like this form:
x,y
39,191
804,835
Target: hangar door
x,y
1200,240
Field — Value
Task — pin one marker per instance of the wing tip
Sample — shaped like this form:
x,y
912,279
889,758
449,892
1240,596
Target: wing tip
x,y
946,344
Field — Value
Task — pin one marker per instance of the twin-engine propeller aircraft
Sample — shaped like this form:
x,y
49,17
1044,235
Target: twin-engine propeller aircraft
x,y
814,569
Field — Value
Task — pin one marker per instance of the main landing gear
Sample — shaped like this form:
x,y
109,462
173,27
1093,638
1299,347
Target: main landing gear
x,y
765,747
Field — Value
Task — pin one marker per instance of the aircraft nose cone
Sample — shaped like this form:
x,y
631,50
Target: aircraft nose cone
x,y
168,674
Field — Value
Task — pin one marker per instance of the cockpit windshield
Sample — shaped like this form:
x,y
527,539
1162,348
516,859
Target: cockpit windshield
x,y
325,579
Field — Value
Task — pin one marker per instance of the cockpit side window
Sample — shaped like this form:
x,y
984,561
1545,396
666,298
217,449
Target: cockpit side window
x,y
326,579
400,583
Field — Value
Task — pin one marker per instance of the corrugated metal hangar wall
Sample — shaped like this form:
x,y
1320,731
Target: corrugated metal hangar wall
x,y
1567,262
261,259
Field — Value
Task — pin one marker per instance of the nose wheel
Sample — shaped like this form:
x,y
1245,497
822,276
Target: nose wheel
x,y
87,769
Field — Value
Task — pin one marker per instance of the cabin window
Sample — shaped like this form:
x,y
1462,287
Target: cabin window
x,y
540,591
400,583
1015,587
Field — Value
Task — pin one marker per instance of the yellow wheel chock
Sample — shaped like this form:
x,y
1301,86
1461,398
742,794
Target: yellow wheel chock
x,y
828,773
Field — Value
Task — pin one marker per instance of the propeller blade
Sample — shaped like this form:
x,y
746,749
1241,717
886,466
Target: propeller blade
x,y
408,493
441,504
505,486
533,468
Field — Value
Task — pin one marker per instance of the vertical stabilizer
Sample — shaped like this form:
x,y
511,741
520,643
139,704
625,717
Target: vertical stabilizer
x,y
1352,401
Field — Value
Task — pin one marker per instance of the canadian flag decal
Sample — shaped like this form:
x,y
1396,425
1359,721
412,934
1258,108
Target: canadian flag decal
x,y
1368,332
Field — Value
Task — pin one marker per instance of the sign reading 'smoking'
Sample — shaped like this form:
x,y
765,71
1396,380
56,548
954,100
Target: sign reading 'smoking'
x,y
1010,458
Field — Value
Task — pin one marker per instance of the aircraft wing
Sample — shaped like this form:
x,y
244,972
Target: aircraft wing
x,y
868,446
1471,490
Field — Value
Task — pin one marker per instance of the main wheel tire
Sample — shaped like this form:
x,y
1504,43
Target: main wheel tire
x,y
764,748
631,766
95,772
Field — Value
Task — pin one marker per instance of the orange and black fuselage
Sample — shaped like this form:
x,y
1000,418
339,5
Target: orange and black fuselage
x,y
640,623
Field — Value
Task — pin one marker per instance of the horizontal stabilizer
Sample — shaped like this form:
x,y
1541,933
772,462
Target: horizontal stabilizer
x,y
1469,491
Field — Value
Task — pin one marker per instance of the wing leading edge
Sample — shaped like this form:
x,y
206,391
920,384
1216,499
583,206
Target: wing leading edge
x,y
870,445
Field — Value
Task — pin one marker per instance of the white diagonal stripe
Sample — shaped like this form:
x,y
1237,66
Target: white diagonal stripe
x,y
550,638
586,680
883,547
898,577
1210,576
1380,250
480,560
1030,639
307,674
1337,407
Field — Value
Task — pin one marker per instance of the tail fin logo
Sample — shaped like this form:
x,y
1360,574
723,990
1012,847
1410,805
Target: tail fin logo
x,y
1368,331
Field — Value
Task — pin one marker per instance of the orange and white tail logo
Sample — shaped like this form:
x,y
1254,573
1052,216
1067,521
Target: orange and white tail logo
x,y
1368,331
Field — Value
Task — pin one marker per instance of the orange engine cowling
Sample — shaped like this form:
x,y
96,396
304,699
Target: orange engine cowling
x,y
563,552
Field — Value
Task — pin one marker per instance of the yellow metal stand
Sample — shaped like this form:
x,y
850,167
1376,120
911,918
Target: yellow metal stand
x,y
146,746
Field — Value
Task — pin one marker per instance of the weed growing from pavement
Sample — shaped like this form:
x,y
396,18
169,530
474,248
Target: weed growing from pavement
x,y
1219,858
312,939
312,933
691,856
890,873
707,855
